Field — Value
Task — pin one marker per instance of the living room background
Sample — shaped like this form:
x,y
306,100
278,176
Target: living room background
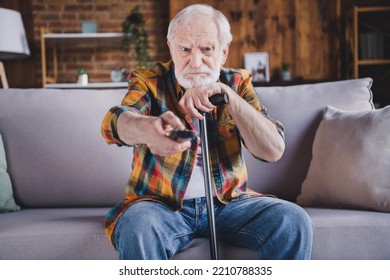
x,y
311,36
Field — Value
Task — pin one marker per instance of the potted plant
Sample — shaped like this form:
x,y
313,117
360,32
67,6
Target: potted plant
x,y
82,77
136,36
286,75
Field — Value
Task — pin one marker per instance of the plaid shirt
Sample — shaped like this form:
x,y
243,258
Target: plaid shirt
x,y
164,179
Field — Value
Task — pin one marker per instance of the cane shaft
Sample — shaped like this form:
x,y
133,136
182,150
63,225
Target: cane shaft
x,y
208,189
217,99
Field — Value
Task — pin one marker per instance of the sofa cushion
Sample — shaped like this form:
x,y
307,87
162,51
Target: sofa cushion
x,y
350,234
62,233
300,109
56,154
7,202
351,161
199,249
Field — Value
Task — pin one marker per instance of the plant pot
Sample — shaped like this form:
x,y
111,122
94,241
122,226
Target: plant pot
x,y
82,79
116,76
286,76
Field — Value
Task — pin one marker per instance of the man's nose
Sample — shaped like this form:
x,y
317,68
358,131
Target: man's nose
x,y
196,59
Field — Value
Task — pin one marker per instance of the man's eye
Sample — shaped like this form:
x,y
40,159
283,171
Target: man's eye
x,y
207,50
185,50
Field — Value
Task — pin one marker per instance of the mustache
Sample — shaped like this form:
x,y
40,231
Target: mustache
x,y
202,69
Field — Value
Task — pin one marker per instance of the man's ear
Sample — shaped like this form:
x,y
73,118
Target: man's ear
x,y
225,53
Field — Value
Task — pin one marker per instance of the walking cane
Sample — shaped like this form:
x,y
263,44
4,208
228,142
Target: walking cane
x,y
217,99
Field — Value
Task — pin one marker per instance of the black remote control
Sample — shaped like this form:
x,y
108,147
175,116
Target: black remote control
x,y
176,135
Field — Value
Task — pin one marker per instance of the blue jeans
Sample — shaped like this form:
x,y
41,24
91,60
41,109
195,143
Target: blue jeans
x,y
275,228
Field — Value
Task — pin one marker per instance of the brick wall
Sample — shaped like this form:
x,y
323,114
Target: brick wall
x,y
66,16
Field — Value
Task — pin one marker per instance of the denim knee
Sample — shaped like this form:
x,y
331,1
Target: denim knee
x,y
297,217
137,233
284,230
139,217
295,232
150,230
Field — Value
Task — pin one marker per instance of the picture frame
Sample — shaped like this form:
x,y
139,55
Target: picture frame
x,y
257,63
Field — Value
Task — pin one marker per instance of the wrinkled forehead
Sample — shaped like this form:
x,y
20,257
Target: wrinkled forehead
x,y
197,27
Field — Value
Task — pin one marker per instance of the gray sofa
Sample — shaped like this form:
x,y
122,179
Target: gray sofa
x,y
66,178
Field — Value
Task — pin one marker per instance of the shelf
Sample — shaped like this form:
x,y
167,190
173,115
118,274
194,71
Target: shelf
x,y
79,39
370,44
372,9
373,61
75,40
88,86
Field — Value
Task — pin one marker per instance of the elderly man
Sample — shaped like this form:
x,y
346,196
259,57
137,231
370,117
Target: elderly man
x,y
164,208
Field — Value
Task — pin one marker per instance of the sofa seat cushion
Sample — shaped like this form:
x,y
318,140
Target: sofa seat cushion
x,y
350,234
79,234
199,249
60,233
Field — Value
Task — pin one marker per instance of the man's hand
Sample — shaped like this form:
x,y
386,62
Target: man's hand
x,y
197,98
259,133
133,129
159,143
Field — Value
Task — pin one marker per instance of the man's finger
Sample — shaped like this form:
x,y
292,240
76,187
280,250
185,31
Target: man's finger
x,y
171,119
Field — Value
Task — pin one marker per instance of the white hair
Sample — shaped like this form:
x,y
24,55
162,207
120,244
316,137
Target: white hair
x,y
185,15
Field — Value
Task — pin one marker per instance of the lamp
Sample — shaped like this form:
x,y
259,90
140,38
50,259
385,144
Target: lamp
x,y
13,42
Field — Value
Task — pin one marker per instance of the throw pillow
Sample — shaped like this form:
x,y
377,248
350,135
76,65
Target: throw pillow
x,y
7,202
350,166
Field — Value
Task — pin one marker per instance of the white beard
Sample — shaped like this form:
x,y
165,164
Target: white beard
x,y
198,80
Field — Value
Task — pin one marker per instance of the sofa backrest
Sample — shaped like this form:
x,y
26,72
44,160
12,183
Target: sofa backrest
x,y
55,152
300,110
57,157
